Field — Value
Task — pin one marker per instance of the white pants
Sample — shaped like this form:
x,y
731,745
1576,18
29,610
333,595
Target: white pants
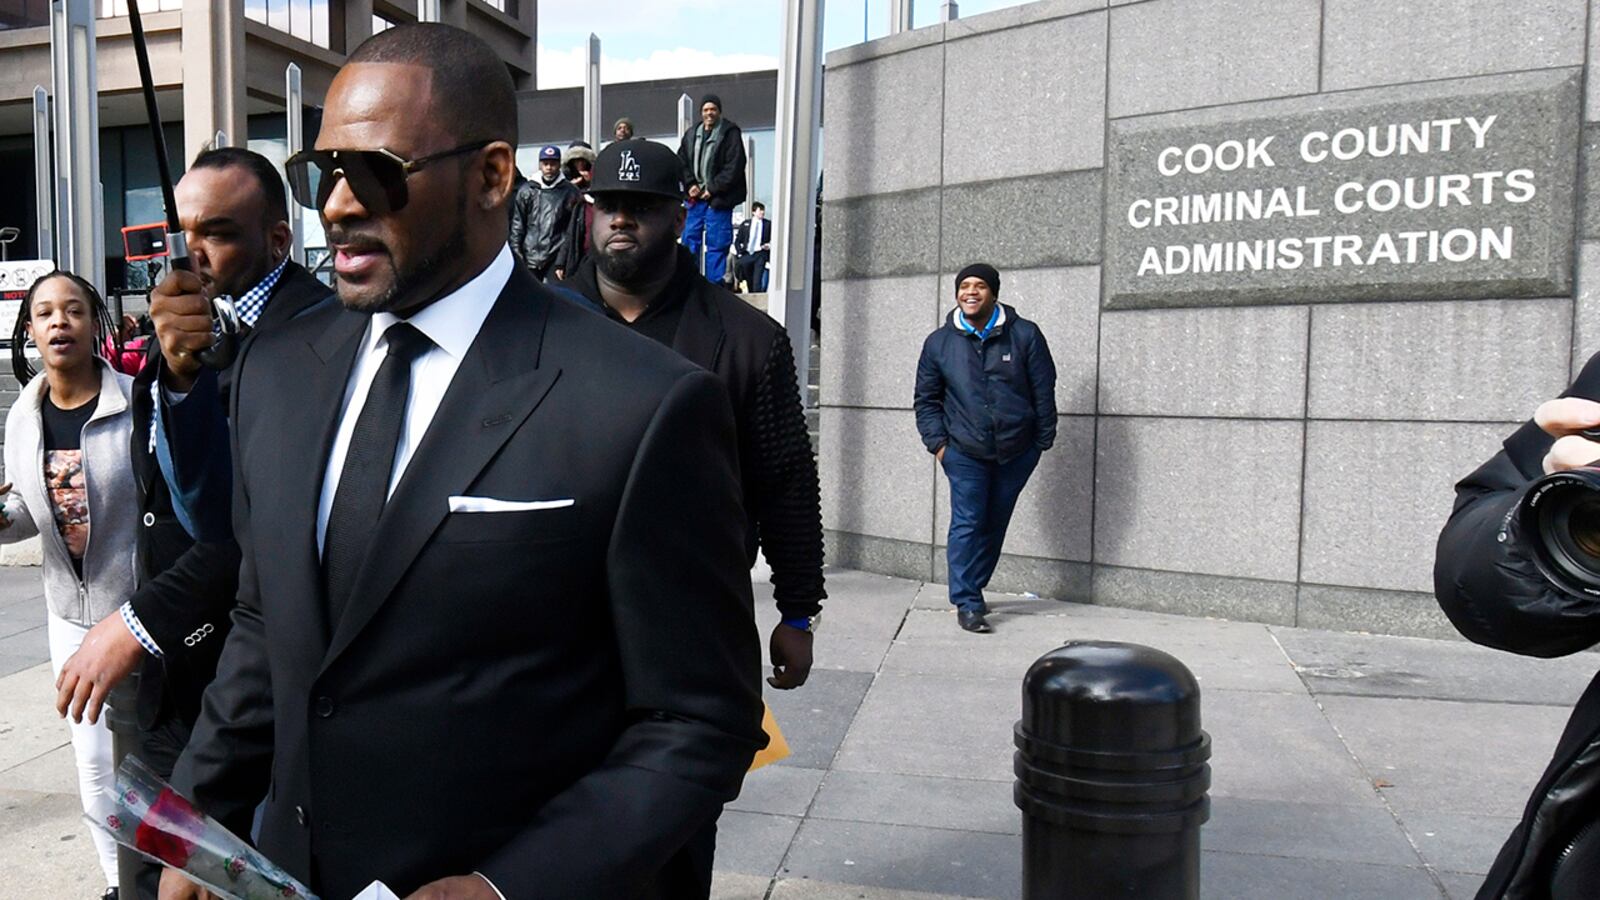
x,y
91,745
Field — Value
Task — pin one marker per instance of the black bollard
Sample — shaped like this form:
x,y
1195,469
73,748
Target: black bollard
x,y
1111,775
122,717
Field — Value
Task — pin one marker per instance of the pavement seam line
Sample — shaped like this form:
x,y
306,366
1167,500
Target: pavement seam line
x,y
1366,773
828,769
30,759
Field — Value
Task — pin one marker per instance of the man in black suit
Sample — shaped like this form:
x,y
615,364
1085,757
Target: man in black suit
x,y
752,247
494,635
235,217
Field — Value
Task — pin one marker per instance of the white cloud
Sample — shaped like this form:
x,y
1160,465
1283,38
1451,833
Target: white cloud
x,y
564,68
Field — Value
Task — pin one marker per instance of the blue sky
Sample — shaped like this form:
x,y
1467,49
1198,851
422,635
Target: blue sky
x,y
643,39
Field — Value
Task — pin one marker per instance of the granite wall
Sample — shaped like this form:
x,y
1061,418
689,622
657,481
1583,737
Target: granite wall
x,y
1273,446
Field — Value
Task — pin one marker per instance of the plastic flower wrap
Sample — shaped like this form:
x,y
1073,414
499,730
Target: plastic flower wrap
x,y
157,822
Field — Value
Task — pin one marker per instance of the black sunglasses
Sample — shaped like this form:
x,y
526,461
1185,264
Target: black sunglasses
x,y
376,177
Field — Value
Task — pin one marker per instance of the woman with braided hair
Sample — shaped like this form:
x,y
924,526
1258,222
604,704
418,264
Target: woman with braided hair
x,y
67,458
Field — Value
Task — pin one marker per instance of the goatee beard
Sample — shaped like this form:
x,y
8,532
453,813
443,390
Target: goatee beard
x,y
626,268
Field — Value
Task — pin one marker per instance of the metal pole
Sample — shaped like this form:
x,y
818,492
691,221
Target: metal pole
x,y
687,114
899,16
949,11
42,182
794,198
427,10
294,117
750,177
591,93
77,133
121,718
219,140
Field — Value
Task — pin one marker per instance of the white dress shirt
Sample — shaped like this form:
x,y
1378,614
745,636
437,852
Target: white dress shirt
x,y
452,323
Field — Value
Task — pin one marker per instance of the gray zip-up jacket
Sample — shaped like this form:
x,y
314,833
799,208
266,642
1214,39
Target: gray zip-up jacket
x,y
108,557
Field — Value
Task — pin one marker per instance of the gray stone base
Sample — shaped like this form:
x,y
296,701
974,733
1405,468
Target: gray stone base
x,y
886,556
1413,614
1053,578
1183,593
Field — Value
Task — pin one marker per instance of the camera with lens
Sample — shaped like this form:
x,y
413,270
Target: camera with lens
x,y
1561,518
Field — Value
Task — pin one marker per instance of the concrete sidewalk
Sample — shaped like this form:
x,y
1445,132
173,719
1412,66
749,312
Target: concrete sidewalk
x,y
1348,766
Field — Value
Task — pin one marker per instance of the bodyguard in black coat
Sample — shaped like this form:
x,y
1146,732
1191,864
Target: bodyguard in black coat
x,y
1487,583
655,290
638,276
494,632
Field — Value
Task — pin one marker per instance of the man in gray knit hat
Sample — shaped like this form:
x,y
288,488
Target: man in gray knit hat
x,y
712,155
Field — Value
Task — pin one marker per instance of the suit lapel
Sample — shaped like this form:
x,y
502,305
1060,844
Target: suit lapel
x,y
498,385
296,291
309,410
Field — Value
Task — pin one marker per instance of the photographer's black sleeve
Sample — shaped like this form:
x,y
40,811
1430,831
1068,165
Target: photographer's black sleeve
x,y
1483,576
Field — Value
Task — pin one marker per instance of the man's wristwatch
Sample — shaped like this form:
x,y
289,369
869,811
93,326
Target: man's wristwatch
x,y
807,624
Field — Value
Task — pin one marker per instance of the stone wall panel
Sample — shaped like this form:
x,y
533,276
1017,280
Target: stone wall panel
x,y
1179,54
1474,361
1032,99
1204,362
1210,496
1371,42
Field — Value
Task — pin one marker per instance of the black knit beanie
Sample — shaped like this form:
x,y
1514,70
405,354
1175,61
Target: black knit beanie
x,y
980,270
713,99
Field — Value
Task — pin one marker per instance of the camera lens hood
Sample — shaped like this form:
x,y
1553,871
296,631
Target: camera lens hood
x,y
1557,519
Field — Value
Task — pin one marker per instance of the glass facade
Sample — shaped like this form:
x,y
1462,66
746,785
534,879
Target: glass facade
x,y
308,20
36,13
24,14
268,137
111,8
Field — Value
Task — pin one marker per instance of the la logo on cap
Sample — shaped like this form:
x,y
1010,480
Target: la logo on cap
x,y
629,169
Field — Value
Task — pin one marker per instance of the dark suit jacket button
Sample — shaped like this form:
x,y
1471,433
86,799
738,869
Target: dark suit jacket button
x,y
324,707
300,815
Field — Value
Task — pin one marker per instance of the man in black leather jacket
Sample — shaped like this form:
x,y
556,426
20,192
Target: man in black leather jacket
x,y
1487,583
540,214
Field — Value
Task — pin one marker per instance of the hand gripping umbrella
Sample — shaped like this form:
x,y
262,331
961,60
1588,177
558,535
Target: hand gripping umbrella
x,y
224,318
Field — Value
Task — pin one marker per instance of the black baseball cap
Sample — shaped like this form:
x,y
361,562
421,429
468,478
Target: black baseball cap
x,y
637,167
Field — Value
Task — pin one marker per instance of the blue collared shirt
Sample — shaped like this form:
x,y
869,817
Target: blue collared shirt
x,y
995,319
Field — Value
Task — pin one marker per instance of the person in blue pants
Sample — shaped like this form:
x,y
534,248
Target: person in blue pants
x,y
986,408
713,159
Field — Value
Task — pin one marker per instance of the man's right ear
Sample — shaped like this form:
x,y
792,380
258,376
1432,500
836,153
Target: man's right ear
x,y
499,174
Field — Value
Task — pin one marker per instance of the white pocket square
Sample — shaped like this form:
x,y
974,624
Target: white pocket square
x,y
460,504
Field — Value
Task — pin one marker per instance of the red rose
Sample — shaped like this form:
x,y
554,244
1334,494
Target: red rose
x,y
158,833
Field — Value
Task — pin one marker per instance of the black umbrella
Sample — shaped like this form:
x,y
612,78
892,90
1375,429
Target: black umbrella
x,y
224,317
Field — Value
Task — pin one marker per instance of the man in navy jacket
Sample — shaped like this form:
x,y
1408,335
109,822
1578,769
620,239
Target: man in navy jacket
x,y
986,408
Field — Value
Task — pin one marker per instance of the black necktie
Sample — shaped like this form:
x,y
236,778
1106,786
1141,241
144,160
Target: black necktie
x,y
364,480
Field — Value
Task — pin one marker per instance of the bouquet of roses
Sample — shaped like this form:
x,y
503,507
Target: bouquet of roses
x,y
154,820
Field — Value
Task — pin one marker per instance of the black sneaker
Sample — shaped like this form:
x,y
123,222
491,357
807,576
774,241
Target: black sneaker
x,y
110,894
973,621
